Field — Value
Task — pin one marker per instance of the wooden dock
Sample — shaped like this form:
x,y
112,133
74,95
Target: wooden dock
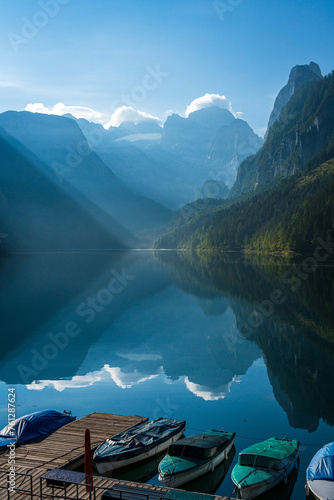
x,y
64,449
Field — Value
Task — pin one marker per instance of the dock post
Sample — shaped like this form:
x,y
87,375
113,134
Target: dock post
x,y
88,463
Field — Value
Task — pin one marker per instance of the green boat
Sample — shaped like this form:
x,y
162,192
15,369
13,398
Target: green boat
x,y
264,465
194,456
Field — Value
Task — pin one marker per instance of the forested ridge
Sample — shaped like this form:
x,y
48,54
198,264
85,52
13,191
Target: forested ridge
x,y
288,211
287,218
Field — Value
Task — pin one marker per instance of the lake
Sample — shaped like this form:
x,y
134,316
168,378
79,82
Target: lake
x,y
232,341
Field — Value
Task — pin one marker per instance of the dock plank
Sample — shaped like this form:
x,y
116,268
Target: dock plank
x,y
63,449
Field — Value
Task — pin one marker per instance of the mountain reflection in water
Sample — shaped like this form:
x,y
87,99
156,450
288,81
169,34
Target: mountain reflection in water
x,y
178,340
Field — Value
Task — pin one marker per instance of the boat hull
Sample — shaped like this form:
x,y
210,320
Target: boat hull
x,y
249,493
178,479
107,466
319,490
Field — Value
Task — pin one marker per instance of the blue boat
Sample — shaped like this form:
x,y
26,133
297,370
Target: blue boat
x,y
32,427
320,474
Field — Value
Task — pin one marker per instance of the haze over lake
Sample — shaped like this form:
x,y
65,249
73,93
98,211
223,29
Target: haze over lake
x,y
173,337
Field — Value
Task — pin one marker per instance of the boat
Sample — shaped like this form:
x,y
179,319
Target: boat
x,y
194,456
138,443
32,427
263,466
284,490
210,482
320,475
142,472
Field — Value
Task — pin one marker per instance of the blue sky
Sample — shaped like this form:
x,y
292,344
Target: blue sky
x,y
92,53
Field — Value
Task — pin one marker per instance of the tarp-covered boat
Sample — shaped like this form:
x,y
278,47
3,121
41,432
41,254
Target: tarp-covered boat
x,y
263,465
137,443
194,456
32,427
320,474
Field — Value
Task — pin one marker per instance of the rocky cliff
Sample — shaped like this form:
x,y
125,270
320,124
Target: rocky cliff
x,y
304,128
298,76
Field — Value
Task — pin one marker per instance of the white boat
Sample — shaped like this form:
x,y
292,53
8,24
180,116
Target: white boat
x,y
194,456
320,475
139,443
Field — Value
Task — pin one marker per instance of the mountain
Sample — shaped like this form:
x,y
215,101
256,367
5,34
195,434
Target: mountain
x,y
37,215
147,127
212,140
179,133
171,164
230,146
287,188
213,189
304,128
287,218
66,155
147,171
297,348
298,76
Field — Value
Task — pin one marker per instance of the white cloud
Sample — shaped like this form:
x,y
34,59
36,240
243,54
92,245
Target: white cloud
x,y
168,113
61,109
122,380
127,380
76,382
128,114
208,100
205,393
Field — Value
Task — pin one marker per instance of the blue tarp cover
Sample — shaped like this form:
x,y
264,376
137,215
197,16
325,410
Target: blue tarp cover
x,y
134,440
322,464
33,426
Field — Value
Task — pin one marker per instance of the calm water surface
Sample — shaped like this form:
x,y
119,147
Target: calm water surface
x,y
171,334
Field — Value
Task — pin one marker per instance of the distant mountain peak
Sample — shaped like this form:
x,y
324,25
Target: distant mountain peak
x,y
315,68
210,110
299,75
145,127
